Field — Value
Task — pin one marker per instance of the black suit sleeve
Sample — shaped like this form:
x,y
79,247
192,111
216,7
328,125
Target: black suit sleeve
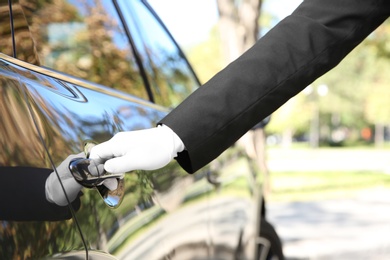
x,y
22,196
301,48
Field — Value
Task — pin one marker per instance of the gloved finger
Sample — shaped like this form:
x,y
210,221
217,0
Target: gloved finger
x,y
102,151
96,167
118,165
133,161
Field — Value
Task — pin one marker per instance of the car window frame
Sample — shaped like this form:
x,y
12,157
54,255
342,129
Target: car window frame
x,y
137,53
154,13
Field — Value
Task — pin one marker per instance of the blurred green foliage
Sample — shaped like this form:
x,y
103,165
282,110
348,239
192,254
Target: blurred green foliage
x,y
310,185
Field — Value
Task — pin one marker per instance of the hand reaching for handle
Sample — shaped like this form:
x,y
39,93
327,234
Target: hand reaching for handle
x,y
148,149
53,188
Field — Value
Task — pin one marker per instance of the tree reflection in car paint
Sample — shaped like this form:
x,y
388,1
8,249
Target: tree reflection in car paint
x,y
22,146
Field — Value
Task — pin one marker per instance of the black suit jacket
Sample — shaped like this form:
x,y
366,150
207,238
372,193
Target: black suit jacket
x,y
301,48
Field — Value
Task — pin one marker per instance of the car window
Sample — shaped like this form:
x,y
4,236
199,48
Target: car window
x,y
170,76
18,36
85,39
5,30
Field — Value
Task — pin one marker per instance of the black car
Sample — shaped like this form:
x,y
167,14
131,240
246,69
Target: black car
x,y
74,73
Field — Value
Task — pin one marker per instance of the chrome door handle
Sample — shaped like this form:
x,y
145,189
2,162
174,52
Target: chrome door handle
x,y
80,169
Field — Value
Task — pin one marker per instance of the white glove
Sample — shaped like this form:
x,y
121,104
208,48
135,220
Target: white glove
x,y
148,149
54,192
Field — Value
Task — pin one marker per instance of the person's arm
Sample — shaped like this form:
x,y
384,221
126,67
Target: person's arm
x,y
301,48
23,198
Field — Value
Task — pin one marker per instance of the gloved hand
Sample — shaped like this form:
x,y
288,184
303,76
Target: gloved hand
x,y
148,149
54,191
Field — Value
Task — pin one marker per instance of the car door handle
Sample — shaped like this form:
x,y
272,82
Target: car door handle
x,y
80,169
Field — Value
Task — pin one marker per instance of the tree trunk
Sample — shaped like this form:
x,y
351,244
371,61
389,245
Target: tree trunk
x,y
239,30
238,26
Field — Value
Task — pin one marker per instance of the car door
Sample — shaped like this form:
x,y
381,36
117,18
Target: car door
x,y
90,82
30,227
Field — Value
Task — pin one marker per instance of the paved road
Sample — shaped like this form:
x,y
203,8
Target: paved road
x,y
328,159
357,227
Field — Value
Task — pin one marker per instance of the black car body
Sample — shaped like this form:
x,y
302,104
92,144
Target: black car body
x,y
73,72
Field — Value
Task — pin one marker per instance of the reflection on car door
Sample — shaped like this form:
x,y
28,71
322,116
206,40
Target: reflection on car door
x,y
26,214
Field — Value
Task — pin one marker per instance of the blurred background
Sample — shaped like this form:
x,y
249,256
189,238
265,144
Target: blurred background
x,y
326,151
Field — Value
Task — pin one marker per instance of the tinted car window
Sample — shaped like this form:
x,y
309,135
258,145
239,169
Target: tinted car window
x,y
85,39
5,30
22,39
170,76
